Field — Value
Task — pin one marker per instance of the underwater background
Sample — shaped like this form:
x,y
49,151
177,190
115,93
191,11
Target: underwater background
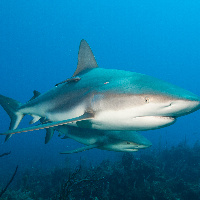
x,y
39,41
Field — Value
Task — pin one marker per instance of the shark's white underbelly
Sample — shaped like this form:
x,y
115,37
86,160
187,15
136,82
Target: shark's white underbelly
x,y
125,120
114,120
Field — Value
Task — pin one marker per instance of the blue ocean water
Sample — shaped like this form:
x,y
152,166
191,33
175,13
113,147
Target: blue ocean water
x,y
39,43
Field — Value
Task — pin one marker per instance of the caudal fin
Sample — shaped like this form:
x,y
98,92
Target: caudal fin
x,y
11,107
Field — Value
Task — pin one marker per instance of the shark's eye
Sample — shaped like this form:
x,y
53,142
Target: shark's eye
x,y
147,100
128,143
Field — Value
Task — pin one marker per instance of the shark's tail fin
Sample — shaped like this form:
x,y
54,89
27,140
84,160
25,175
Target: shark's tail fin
x,y
11,107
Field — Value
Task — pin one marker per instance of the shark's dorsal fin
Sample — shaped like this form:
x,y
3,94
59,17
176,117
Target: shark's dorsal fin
x,y
86,59
36,93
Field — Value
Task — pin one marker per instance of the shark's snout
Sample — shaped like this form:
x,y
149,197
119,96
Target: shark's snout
x,y
185,103
182,107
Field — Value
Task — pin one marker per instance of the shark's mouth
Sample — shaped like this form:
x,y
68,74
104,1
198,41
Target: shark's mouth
x,y
152,122
166,117
161,117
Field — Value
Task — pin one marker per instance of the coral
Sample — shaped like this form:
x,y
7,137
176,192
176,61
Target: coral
x,y
168,174
10,181
17,195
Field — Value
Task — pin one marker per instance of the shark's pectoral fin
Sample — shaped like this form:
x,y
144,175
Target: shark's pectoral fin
x,y
80,149
85,116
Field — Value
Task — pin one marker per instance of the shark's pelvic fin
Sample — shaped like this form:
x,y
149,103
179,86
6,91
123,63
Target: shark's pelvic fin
x,y
49,134
65,137
86,59
80,149
85,116
49,131
35,119
11,106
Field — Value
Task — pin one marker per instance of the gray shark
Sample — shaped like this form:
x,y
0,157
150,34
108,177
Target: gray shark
x,y
125,141
104,99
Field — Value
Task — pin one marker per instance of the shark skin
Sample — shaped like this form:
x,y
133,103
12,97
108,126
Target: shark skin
x,y
120,141
104,99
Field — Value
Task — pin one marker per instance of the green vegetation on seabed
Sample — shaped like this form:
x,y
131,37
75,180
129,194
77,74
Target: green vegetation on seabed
x,y
169,174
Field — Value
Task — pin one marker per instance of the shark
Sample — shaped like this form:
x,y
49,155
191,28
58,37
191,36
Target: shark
x,y
127,141
103,99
